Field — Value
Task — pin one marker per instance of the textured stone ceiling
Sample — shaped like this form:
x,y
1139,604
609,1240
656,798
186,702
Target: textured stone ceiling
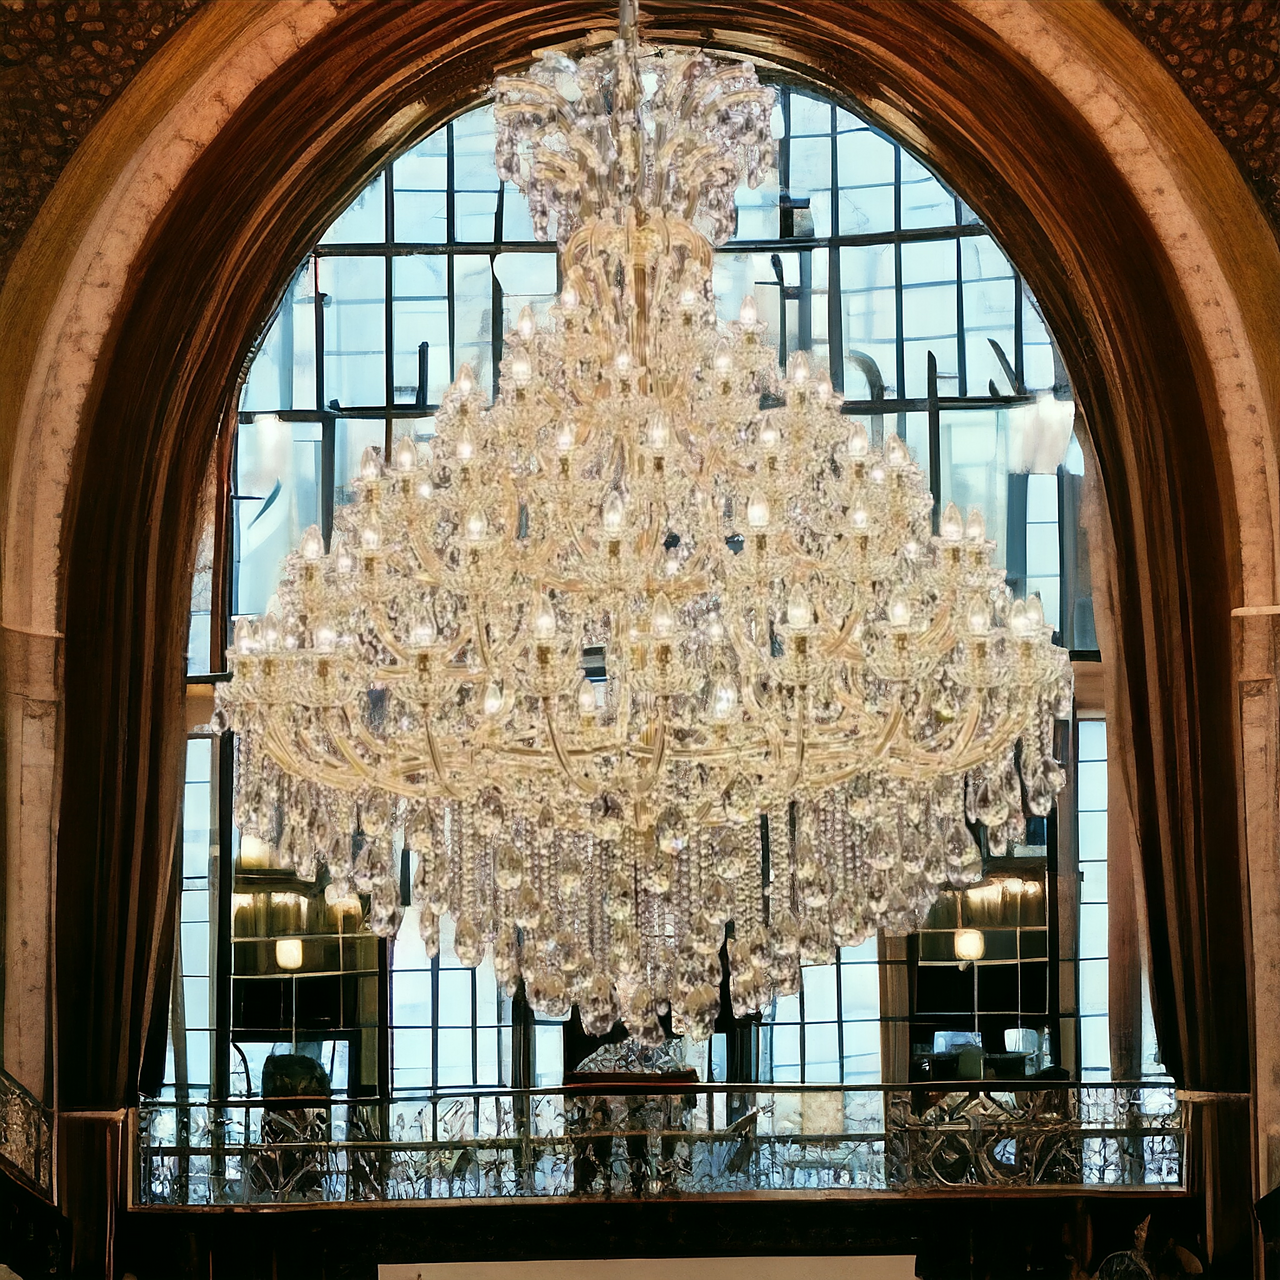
x,y
62,63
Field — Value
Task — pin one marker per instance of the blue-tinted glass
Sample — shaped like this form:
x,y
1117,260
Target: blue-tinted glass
x,y
526,279
352,436
411,998
975,468
363,221
454,1064
1093,740
517,222
473,316
283,373
822,1053
1093,931
757,212
925,201
819,992
809,115
420,314
811,180
455,998
869,311
1095,1046
988,313
474,168
1091,784
860,991
354,330
1091,834
1037,347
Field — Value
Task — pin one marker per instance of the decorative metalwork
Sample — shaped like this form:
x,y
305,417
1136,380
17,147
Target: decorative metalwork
x,y
686,1140
26,1135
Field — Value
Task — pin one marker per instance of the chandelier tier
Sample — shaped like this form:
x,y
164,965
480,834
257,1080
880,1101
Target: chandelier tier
x,y
657,641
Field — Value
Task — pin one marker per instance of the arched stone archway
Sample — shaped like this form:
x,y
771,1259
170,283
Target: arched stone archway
x,y
152,268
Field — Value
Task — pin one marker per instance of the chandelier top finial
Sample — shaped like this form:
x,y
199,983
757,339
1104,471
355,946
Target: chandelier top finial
x,y
628,133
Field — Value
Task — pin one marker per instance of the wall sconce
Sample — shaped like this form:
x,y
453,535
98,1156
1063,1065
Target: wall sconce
x,y
970,945
289,953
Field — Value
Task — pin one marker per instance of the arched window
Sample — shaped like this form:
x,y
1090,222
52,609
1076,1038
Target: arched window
x,y
859,255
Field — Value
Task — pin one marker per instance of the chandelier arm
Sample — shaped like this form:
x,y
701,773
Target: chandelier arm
x,y
658,750
561,755
437,761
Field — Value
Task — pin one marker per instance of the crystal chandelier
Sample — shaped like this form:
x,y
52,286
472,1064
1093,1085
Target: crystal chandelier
x,y
657,641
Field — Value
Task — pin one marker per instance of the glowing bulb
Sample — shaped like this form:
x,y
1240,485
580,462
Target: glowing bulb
x,y
899,610
659,432
406,454
895,452
423,634
466,381
715,629
465,447
289,953
758,511
769,436
613,514
521,369
493,698
799,608
544,619
524,325
424,488
970,945
799,369
688,297
622,363
951,526
858,518
323,638
723,362
343,560
662,621
1035,612
976,527
564,438
371,533
587,704
477,526
724,698
270,631
312,545
671,566
859,441
747,314
569,298
822,389
244,636
979,617
370,464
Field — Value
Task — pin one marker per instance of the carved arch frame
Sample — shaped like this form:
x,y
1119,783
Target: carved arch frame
x,y
132,305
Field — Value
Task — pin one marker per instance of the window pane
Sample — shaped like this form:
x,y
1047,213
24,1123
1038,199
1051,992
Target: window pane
x,y
363,221
354,334
819,992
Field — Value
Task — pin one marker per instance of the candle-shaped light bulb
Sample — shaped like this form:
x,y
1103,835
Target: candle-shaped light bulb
x,y
370,464
343,560
769,436
758,511
521,369
422,635
895,452
688,297
747,313
243,635
662,621
1035,612
899,610
859,441
466,381
951,526
569,298
371,532
270,632
975,528
493,698
622,363
406,454
979,616
544,619
564,437
723,361
613,514
1019,623
822,388
312,545
424,488
858,518
587,705
724,697
715,629
477,525
464,449
659,432
524,324
799,608
323,637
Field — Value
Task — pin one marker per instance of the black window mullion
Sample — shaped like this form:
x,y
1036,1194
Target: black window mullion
x,y
835,311
1019,362
900,344
839,1015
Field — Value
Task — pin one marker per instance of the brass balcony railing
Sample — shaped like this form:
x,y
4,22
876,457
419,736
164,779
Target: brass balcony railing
x,y
26,1136
686,1140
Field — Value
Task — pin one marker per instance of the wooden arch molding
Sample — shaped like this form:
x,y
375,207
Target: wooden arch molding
x,y
309,136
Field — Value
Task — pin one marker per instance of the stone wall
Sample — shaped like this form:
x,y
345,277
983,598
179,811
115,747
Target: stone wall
x,y
1225,56
60,64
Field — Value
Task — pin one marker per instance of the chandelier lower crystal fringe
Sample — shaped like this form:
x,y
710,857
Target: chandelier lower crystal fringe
x,y
657,642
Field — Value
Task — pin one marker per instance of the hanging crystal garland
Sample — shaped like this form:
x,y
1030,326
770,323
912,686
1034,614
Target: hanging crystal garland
x,y
654,594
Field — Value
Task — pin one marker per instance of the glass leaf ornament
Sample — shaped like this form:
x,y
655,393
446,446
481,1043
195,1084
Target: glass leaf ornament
x,y
581,646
